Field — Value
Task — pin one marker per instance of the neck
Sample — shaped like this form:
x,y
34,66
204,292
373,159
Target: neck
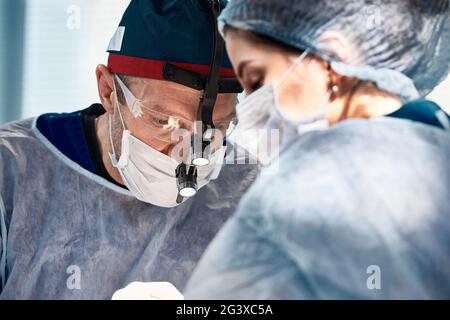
x,y
102,130
366,101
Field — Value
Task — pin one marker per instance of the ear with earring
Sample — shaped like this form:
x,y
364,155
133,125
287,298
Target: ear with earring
x,y
332,87
334,90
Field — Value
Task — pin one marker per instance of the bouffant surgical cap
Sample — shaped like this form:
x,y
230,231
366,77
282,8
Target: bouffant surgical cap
x,y
403,45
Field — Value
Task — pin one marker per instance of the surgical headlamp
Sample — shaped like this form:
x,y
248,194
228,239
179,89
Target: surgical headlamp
x,y
211,85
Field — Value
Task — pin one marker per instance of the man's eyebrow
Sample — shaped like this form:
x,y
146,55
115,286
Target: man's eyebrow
x,y
242,66
158,107
161,108
166,110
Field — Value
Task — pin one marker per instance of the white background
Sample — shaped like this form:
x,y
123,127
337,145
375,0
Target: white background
x,y
59,74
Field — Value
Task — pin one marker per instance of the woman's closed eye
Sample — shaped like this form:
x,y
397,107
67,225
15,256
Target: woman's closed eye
x,y
253,86
252,80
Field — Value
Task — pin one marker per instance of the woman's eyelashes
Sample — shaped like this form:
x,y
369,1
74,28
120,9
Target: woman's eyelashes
x,y
253,82
255,85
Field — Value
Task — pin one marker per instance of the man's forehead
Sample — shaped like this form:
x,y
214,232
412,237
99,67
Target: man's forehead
x,y
164,94
173,98
153,88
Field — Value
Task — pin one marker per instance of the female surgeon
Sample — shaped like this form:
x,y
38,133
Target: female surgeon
x,y
355,202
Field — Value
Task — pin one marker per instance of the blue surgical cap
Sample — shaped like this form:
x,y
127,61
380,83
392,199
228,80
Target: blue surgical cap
x,y
403,45
155,32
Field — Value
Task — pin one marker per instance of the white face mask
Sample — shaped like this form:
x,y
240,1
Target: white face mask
x,y
263,127
150,174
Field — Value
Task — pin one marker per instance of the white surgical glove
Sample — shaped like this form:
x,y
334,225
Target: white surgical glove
x,y
148,291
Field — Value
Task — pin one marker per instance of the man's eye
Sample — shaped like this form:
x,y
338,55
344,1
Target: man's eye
x,y
156,121
170,123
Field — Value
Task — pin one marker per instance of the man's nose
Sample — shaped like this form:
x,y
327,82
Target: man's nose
x,y
178,150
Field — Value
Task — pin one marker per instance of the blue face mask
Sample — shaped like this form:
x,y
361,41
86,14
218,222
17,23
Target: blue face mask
x,y
263,126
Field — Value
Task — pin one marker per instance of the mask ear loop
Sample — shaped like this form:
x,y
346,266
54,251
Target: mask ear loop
x,y
333,88
294,65
116,106
117,103
113,154
286,74
133,103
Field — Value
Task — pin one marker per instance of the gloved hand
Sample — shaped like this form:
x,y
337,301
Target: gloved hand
x,y
148,291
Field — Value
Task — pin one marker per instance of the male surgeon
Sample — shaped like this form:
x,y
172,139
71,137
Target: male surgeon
x,y
134,188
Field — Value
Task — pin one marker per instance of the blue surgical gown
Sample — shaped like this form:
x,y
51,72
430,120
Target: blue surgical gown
x,y
67,233
358,211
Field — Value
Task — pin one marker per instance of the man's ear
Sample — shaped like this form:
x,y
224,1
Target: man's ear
x,y
105,87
